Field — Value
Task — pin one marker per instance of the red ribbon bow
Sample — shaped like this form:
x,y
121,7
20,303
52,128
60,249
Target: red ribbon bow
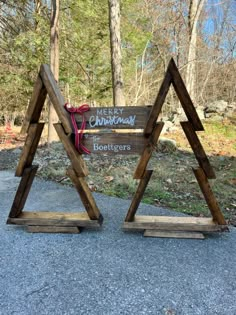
x,y
78,133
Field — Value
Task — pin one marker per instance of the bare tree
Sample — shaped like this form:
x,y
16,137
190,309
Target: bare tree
x,y
195,8
54,62
115,43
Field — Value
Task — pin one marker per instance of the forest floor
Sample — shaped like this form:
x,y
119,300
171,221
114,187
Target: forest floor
x,y
172,185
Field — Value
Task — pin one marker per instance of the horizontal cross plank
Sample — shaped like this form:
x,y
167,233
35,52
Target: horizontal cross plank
x,y
46,218
55,97
184,97
171,234
52,229
209,196
30,147
115,143
172,224
35,105
198,149
129,117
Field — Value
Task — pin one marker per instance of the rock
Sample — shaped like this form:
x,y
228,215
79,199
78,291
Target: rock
x,y
200,112
169,181
218,107
17,151
167,126
166,145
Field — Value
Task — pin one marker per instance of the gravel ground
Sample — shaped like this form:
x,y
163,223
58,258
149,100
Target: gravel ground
x,y
109,271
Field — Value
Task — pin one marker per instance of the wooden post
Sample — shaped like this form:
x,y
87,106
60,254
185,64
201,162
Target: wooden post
x,y
138,195
147,152
198,149
184,97
56,97
35,106
30,147
209,196
85,195
76,159
160,99
23,191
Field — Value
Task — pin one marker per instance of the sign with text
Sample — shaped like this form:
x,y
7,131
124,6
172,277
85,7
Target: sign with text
x,y
130,117
115,143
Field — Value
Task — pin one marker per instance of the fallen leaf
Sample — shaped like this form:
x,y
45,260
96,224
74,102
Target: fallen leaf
x,y
108,179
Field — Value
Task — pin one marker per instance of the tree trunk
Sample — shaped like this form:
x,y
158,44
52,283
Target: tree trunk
x,y
54,63
195,8
115,44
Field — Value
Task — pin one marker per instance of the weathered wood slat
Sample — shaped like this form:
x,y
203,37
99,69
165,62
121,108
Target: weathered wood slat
x,y
115,143
128,117
52,229
209,197
42,218
23,191
198,149
56,97
160,99
85,195
76,159
164,223
138,195
184,97
35,105
173,234
147,152
30,147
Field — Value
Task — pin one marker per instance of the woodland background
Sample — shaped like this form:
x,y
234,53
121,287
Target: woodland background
x,y
152,31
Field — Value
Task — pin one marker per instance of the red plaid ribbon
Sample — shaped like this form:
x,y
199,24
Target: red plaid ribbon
x,y
78,133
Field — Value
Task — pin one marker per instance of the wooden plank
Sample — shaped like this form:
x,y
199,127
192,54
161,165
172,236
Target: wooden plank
x,y
35,105
52,229
74,156
173,224
138,196
198,149
115,143
147,152
56,97
128,117
175,234
30,147
85,195
23,191
46,218
209,197
160,99
184,97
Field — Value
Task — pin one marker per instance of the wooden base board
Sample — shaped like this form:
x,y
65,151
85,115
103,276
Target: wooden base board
x,y
164,223
52,229
59,219
173,234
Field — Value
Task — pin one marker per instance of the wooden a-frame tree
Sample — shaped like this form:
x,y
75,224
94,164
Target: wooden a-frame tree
x,y
104,141
51,221
163,226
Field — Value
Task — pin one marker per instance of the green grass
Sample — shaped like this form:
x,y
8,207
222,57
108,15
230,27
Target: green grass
x,y
227,130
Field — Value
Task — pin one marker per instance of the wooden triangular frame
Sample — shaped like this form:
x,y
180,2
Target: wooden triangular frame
x,y
162,226
51,221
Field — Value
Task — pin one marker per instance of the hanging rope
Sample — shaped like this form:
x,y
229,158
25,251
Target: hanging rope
x,y
78,133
